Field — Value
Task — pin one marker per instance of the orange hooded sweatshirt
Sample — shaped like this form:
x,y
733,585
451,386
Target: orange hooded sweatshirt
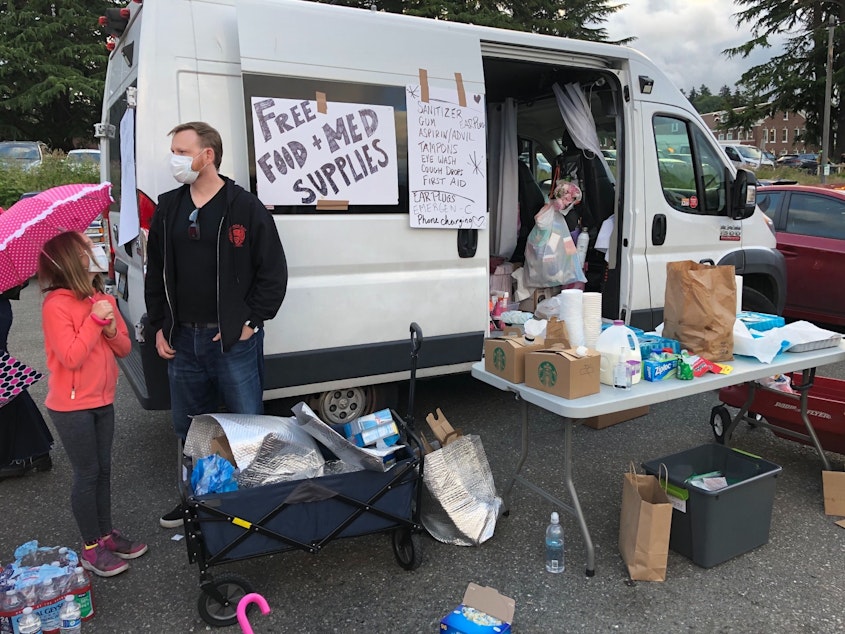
x,y
81,360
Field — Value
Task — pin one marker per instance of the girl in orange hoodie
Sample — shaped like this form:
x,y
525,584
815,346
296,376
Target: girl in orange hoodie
x,y
83,331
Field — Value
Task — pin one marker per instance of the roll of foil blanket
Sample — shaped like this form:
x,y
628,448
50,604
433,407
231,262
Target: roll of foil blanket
x,y
460,504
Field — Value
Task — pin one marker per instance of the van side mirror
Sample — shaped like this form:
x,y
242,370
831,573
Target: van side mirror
x,y
743,195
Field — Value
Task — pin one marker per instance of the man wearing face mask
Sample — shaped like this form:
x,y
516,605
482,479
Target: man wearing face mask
x,y
216,271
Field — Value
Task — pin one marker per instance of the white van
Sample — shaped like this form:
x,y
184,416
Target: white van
x,y
359,274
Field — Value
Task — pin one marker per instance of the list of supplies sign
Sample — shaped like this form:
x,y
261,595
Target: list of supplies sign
x,y
447,160
302,155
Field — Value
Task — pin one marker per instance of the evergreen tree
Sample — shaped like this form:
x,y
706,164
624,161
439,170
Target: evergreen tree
x,y
52,69
794,81
580,19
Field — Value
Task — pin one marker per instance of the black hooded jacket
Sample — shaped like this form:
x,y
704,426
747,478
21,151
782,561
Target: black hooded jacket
x,y
252,274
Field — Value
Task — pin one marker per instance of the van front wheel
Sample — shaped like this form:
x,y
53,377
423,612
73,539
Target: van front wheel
x,y
755,301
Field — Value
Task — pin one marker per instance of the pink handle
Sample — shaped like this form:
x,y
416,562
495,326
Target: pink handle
x,y
243,620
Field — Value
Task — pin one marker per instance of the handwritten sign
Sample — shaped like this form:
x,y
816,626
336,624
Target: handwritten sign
x,y
302,155
447,160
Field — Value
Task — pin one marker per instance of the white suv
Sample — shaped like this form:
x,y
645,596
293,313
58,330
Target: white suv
x,y
746,156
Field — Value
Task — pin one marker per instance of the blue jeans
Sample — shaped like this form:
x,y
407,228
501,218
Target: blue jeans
x,y
203,377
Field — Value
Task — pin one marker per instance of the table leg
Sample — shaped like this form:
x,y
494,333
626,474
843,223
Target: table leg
x,y
576,506
573,509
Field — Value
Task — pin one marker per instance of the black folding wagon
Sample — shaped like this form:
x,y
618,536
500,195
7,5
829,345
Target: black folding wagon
x,y
303,514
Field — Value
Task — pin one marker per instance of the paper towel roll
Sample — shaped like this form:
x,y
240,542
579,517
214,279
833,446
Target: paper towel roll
x,y
572,312
738,293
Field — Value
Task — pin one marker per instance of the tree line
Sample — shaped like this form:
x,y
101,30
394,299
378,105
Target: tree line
x,y
53,57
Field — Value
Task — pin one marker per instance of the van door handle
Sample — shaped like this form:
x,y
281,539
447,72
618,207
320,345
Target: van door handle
x,y
658,230
467,242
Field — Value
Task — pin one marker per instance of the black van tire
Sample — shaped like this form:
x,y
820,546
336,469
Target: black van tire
x,y
755,301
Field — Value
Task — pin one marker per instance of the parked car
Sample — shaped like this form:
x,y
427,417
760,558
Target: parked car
x,y
83,157
809,223
809,162
746,156
24,154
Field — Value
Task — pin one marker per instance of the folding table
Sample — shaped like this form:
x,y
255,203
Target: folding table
x,y
610,400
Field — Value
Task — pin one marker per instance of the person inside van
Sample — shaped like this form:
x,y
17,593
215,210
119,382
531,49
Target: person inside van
x,y
216,271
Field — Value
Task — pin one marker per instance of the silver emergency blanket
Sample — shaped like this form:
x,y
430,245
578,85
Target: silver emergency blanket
x,y
266,449
460,505
368,458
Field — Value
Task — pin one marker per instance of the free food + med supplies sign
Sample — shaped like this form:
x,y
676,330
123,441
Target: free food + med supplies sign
x,y
303,155
447,160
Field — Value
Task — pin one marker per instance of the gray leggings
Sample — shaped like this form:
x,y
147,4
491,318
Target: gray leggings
x,y
87,438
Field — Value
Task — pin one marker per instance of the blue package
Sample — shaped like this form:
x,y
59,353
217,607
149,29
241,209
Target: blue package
x,y
213,474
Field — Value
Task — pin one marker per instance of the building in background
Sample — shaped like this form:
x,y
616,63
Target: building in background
x,y
779,134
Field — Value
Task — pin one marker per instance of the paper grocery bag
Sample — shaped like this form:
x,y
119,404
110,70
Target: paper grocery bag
x,y
644,526
699,309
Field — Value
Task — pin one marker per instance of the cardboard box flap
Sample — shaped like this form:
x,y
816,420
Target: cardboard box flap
x,y
489,601
556,332
220,445
516,341
566,352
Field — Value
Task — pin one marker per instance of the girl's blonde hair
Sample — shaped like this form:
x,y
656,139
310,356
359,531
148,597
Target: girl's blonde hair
x,y
60,265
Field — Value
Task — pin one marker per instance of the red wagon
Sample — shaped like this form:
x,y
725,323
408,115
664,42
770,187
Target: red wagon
x,y
814,415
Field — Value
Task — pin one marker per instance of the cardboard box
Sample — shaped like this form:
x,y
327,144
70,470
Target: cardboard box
x,y
560,371
483,611
606,420
833,484
220,446
505,357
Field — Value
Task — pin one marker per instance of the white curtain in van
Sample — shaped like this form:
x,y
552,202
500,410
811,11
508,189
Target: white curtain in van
x,y
502,183
579,121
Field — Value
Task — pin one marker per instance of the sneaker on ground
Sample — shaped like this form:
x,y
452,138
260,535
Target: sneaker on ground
x,y
102,562
122,546
173,519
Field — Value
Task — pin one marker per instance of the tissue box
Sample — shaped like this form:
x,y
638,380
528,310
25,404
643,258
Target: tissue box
x,y
505,356
483,611
560,371
369,429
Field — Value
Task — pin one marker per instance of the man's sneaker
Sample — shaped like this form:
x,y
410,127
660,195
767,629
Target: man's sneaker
x,y
173,519
101,561
123,547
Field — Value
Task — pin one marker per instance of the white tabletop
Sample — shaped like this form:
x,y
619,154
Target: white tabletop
x,y
609,399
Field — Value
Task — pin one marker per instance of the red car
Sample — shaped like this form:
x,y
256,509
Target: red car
x,y
809,223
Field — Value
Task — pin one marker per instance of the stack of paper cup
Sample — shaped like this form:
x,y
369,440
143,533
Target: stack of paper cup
x,y
571,311
592,318
738,293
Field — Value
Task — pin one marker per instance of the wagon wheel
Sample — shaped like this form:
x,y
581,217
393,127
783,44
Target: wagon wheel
x,y
407,548
233,588
720,420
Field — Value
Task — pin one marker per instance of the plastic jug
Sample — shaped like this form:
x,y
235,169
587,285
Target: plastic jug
x,y
618,343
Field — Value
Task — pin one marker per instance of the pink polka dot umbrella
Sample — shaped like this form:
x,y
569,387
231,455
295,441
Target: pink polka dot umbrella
x,y
28,224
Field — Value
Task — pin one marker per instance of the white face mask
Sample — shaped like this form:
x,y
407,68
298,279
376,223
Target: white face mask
x,y
180,167
100,262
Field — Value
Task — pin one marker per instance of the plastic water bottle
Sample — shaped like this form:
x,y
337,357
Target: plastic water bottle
x,y
554,545
582,245
30,622
70,616
80,586
12,602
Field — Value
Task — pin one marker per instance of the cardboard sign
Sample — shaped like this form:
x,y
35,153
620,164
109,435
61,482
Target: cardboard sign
x,y
303,155
447,159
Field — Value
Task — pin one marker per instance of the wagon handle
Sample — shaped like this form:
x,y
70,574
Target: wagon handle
x,y
808,376
416,338
416,344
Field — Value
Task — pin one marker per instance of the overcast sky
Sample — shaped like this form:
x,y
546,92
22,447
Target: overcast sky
x,y
686,39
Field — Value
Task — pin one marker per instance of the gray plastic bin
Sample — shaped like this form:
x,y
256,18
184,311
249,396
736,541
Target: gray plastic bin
x,y
718,525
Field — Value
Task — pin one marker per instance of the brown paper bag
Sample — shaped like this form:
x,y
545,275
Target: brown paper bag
x,y
644,526
700,308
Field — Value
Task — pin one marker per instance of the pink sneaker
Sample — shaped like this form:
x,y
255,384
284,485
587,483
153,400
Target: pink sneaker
x,y
123,547
102,562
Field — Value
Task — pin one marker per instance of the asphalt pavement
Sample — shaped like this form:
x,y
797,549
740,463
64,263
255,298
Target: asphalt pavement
x,y
795,583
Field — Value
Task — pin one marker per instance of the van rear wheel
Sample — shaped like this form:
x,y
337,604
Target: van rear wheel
x,y
754,301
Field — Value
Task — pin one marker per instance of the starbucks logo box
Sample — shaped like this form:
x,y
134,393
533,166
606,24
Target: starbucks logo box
x,y
505,356
560,371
